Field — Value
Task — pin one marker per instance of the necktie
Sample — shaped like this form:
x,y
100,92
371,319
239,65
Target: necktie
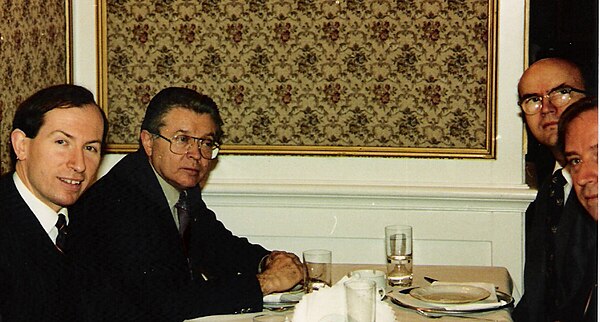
x,y
557,199
555,209
61,225
183,216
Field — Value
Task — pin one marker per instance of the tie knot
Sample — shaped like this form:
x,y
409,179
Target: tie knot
x,y
558,178
182,202
61,222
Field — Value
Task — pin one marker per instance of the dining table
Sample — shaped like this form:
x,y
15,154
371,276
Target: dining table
x,y
499,276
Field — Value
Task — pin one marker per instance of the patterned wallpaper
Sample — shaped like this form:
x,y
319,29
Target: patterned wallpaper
x,y
33,55
318,75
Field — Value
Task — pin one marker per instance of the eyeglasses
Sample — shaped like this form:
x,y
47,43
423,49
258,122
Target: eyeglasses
x,y
181,144
559,97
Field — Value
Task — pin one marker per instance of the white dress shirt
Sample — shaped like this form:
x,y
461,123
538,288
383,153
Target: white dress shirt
x,y
44,214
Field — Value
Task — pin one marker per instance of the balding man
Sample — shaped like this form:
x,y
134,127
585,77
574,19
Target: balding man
x,y
557,228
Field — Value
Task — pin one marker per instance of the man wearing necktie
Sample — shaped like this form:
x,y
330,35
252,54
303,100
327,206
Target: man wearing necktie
x,y
558,231
145,230
56,141
578,140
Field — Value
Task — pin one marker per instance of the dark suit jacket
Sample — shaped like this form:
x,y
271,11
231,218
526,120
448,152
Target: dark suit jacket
x,y
576,242
123,232
34,276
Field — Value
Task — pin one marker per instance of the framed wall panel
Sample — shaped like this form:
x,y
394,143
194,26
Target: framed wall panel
x,y
362,78
36,52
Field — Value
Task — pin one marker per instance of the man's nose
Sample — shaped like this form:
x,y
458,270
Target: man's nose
x,y
194,152
77,161
547,106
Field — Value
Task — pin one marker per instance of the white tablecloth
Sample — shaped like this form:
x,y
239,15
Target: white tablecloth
x,y
499,276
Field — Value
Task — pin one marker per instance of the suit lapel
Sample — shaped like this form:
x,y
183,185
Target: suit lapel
x,y
28,229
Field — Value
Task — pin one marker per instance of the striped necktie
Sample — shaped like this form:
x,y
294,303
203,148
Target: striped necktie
x,y
61,225
183,216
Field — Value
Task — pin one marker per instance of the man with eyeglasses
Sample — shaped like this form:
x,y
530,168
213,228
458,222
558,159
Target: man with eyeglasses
x,y
555,259
154,250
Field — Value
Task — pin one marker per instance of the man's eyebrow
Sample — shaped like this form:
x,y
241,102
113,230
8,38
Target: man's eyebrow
x,y
210,135
63,133
71,137
571,153
563,85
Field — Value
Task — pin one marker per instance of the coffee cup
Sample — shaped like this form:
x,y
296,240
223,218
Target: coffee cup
x,y
372,274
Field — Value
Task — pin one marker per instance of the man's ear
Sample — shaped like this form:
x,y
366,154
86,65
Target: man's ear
x,y
20,144
147,141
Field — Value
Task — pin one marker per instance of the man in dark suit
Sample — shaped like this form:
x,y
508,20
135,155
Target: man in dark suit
x,y
145,229
578,139
558,232
56,142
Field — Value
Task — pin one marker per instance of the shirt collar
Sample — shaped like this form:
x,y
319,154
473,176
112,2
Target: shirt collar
x,y
44,214
565,173
170,192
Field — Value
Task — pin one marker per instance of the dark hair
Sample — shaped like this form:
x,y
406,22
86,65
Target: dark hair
x,y
583,105
179,97
29,116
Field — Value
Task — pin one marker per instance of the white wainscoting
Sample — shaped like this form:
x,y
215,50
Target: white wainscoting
x,y
452,226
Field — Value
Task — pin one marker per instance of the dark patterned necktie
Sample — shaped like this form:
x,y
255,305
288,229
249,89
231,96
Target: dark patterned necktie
x,y
61,225
183,216
555,209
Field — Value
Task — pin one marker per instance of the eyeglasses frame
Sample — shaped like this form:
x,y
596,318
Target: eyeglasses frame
x,y
547,96
215,147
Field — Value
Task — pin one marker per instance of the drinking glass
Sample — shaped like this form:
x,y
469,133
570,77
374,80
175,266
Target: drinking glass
x,y
398,249
360,300
318,269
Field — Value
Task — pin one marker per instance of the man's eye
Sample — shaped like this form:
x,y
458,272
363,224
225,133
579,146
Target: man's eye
x,y
91,148
563,91
183,139
208,143
533,99
61,142
574,162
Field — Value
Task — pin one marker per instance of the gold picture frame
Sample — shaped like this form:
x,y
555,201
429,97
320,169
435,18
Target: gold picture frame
x,y
386,79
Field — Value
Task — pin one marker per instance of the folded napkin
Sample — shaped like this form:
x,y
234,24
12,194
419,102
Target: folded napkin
x,y
490,302
292,296
329,304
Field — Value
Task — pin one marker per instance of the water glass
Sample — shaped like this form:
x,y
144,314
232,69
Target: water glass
x,y
318,269
360,300
399,252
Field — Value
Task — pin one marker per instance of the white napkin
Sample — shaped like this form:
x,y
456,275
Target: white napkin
x,y
293,296
490,302
329,304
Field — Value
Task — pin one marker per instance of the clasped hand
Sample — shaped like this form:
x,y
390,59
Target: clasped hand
x,y
282,271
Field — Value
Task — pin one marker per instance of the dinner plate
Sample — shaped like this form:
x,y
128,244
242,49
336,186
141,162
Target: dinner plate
x,y
505,301
283,300
450,294
279,305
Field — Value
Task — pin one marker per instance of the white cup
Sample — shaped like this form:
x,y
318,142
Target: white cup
x,y
372,274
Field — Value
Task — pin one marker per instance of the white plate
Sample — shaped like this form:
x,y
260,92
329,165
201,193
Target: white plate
x,y
450,294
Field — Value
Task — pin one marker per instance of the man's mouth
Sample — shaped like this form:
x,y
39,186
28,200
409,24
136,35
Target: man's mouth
x,y
548,124
71,181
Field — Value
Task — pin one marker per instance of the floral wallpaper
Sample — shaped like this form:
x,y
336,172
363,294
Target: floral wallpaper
x,y
384,77
33,52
